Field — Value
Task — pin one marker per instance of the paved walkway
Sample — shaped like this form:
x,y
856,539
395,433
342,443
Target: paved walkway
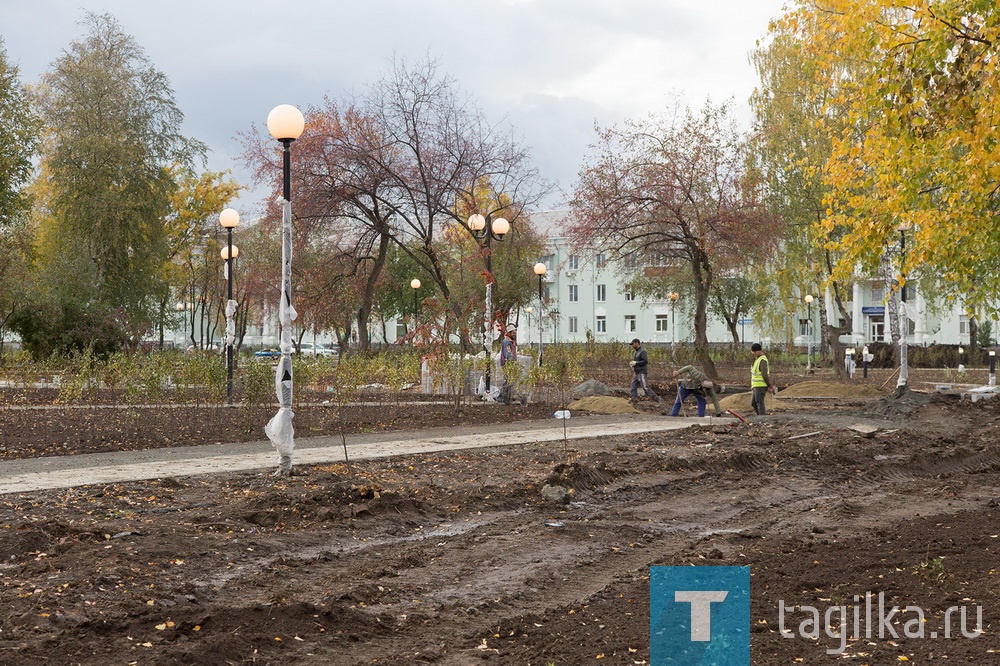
x,y
96,468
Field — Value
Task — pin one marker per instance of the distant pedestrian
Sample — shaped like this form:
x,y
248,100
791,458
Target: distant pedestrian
x,y
640,369
508,354
760,381
694,382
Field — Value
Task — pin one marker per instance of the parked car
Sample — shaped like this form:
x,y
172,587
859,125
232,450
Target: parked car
x,y
267,353
318,349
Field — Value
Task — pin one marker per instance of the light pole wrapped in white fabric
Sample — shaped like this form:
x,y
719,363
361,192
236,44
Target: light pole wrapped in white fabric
x,y
279,429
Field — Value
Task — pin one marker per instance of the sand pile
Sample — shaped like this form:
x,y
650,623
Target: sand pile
x,y
603,404
808,389
741,403
822,389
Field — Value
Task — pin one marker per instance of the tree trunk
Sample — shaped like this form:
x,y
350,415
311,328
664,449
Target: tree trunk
x,y
891,309
364,311
702,274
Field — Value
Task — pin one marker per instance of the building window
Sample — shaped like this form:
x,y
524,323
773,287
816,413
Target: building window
x,y
546,294
547,260
963,325
573,263
601,260
804,327
631,261
878,293
602,293
572,325
662,323
574,293
629,296
602,324
400,328
630,323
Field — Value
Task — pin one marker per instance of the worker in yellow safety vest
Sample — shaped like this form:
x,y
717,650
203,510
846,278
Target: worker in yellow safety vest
x,y
760,382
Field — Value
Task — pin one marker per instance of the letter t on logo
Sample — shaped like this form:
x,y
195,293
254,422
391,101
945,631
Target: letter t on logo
x,y
701,610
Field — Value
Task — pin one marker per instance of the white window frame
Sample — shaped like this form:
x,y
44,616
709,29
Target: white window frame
x,y
662,323
602,293
573,326
574,293
630,324
601,324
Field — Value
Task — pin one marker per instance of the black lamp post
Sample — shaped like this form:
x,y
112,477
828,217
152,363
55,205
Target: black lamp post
x,y
540,270
482,228
415,286
229,218
673,296
285,123
809,349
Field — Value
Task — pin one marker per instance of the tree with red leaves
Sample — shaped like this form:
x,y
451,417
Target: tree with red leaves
x,y
675,192
392,168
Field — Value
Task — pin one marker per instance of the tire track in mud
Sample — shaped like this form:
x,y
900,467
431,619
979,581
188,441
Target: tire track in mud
x,y
666,507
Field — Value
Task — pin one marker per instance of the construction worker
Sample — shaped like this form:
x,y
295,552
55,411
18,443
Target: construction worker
x,y
760,381
640,369
694,382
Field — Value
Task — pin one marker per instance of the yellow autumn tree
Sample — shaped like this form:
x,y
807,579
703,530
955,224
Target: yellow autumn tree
x,y
918,85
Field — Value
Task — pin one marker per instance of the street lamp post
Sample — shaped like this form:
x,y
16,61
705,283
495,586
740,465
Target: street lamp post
x,y
540,270
482,228
673,296
285,123
809,349
229,218
415,286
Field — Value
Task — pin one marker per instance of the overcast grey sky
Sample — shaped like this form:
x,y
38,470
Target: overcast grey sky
x,y
552,68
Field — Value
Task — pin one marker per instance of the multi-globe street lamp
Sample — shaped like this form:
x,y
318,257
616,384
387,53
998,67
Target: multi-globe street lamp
x,y
229,219
809,349
285,123
483,228
540,270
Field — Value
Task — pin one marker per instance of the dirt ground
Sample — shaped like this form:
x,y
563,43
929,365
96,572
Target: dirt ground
x,y
458,559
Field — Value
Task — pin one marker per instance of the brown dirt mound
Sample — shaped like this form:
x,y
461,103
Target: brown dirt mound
x,y
603,404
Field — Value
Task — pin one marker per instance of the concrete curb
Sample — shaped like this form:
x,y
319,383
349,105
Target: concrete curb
x,y
70,471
